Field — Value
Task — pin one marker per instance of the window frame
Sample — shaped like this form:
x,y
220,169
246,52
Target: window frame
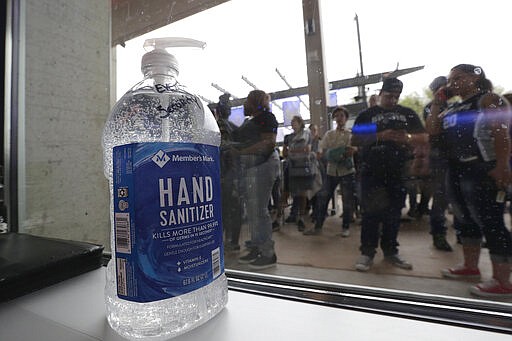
x,y
481,315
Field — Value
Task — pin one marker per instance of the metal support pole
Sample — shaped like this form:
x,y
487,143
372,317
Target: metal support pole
x,y
221,89
252,85
290,87
362,89
205,99
317,78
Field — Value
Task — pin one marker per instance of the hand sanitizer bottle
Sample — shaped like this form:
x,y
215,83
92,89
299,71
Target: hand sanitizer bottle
x,y
161,158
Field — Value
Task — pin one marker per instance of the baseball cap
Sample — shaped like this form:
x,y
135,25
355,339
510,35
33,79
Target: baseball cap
x,y
392,85
437,83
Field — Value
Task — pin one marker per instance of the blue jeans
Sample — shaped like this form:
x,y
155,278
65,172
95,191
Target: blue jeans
x,y
258,184
348,188
382,202
472,194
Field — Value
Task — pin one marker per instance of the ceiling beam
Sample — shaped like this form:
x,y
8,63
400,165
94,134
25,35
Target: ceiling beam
x,y
335,85
133,18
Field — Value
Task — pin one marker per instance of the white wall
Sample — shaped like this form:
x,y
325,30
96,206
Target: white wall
x,y
67,99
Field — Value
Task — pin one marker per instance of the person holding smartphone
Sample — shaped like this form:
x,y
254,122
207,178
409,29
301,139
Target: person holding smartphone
x,y
475,137
259,164
433,185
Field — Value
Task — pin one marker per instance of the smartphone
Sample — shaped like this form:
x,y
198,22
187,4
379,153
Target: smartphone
x,y
448,92
444,94
500,196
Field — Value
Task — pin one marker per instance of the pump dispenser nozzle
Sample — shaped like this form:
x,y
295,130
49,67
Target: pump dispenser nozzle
x,y
160,57
162,43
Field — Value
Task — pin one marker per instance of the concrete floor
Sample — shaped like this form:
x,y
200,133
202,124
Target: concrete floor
x,y
329,257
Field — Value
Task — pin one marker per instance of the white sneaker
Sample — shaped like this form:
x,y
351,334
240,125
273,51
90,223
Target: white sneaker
x,y
399,262
364,263
345,233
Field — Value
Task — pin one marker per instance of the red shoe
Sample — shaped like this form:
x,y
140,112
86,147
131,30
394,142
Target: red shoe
x,y
461,272
491,288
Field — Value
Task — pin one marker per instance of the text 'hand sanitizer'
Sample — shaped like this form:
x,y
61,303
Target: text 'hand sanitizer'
x,y
161,157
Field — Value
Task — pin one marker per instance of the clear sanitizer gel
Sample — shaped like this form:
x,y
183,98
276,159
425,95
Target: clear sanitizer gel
x,y
161,157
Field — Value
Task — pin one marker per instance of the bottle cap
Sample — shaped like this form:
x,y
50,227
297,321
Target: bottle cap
x,y
160,57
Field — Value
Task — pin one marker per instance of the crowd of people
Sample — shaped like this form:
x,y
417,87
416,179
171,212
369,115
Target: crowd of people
x,y
457,156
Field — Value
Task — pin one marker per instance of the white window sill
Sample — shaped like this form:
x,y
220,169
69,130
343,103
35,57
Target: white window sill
x,y
74,310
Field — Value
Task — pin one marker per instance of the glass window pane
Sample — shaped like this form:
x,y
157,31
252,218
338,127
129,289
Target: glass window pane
x,y
244,52
68,86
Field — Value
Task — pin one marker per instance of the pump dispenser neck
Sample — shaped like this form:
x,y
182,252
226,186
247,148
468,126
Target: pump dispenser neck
x,y
159,71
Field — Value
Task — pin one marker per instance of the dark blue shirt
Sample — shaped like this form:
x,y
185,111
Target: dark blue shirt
x,y
466,132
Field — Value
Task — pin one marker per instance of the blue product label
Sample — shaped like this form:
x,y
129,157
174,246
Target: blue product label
x,y
167,219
